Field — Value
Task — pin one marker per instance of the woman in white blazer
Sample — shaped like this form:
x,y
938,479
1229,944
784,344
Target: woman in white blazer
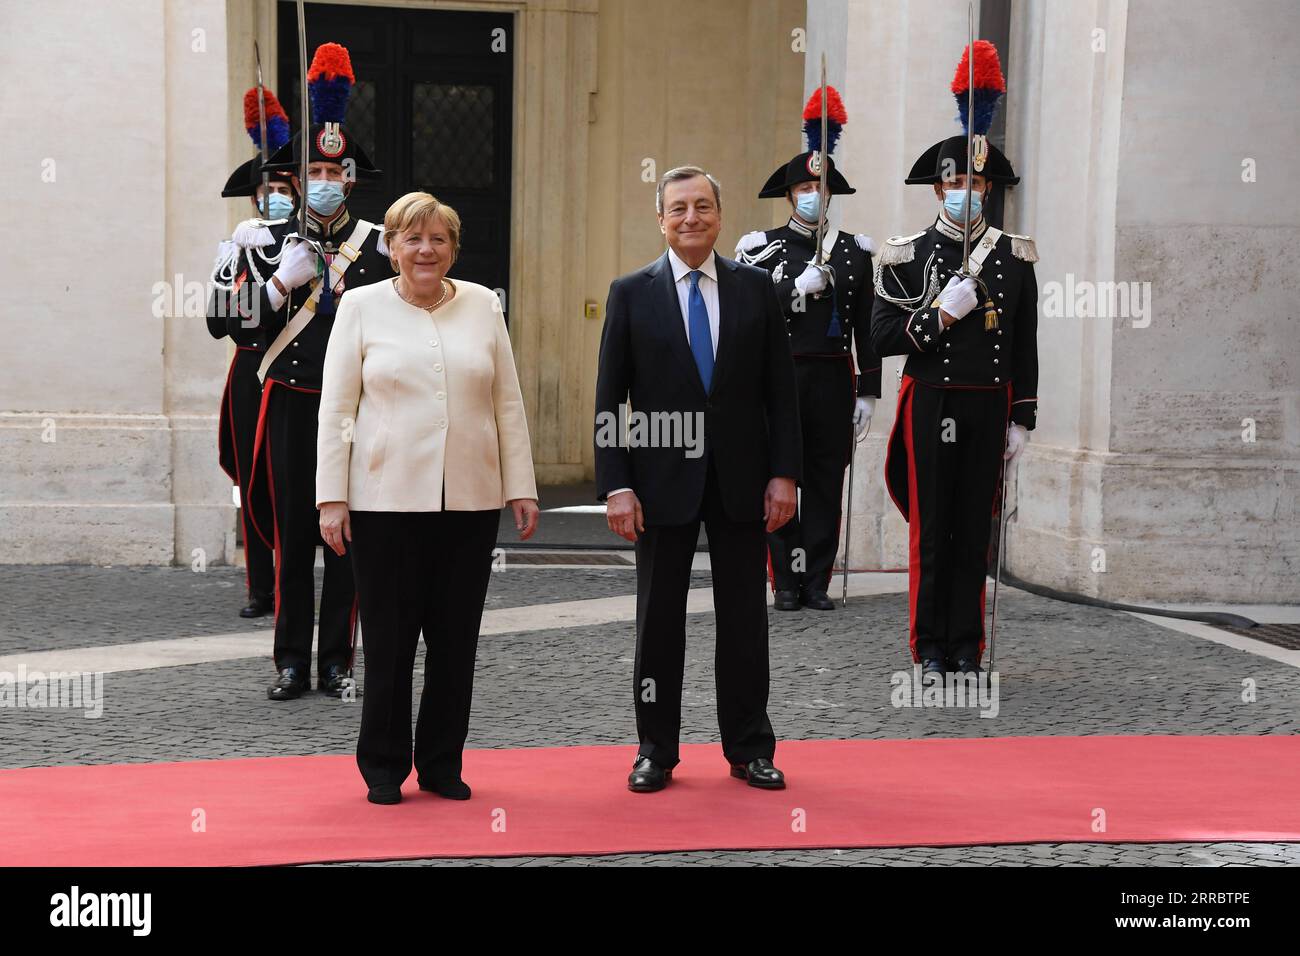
x,y
422,440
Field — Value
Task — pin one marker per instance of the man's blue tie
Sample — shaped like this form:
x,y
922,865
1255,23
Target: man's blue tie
x,y
701,338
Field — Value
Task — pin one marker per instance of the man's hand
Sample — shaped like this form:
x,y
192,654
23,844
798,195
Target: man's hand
x,y
335,525
811,280
297,265
526,515
623,515
864,408
778,502
1017,438
956,300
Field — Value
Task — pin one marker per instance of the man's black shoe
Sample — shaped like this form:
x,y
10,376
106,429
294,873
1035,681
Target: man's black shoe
x,y
453,788
647,776
290,685
932,669
786,601
386,793
817,600
965,665
258,607
759,773
334,681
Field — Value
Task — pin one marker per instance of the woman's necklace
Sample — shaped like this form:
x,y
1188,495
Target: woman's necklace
x,y
427,308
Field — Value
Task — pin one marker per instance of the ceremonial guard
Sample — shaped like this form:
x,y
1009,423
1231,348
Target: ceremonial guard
x,y
960,300
823,282
294,313
249,257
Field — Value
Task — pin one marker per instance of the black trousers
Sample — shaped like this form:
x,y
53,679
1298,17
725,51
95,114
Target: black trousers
x,y
243,402
955,439
803,550
663,570
419,572
290,455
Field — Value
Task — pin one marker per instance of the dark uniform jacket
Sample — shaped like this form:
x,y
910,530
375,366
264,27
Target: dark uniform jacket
x,y
300,364
785,254
913,270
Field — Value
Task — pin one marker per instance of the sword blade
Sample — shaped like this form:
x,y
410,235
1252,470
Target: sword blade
x,y
823,155
970,126
305,118
261,124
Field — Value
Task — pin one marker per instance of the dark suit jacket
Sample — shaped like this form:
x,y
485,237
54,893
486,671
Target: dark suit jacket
x,y
750,415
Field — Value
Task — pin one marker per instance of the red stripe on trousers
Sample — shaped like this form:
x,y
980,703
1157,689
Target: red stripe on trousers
x,y
913,517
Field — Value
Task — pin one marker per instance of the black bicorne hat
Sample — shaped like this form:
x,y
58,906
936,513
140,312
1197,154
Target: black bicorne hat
x,y
947,158
247,177
800,170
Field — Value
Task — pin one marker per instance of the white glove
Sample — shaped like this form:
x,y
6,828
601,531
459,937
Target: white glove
x,y
862,412
958,297
297,265
812,279
751,240
1017,438
865,243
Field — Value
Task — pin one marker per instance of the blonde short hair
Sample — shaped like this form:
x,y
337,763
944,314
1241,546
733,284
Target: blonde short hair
x,y
413,210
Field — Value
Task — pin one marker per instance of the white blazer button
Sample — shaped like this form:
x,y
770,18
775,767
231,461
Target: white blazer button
x,y
439,395
437,368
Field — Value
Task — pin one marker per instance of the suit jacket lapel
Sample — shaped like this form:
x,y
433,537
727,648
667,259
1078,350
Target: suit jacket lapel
x,y
675,323
728,316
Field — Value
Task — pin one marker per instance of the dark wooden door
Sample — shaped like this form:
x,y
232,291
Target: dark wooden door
x,y
432,107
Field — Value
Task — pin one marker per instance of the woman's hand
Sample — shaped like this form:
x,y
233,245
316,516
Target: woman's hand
x,y
526,515
335,527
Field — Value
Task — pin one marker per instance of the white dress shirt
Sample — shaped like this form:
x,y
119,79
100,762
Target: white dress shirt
x,y
708,289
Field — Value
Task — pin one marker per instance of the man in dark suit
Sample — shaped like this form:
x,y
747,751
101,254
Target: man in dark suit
x,y
699,345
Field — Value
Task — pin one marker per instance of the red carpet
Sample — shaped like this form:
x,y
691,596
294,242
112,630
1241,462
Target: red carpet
x,y
572,800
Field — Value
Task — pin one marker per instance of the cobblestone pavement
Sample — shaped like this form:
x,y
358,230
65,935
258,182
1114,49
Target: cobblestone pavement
x,y
1064,669
53,607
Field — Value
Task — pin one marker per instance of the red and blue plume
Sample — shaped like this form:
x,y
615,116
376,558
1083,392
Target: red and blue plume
x,y
277,121
989,87
329,83
835,119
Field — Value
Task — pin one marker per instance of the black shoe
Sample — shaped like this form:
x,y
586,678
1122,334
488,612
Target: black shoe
x,y
647,776
965,665
759,773
386,793
817,600
258,607
932,669
334,681
786,601
453,788
290,685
